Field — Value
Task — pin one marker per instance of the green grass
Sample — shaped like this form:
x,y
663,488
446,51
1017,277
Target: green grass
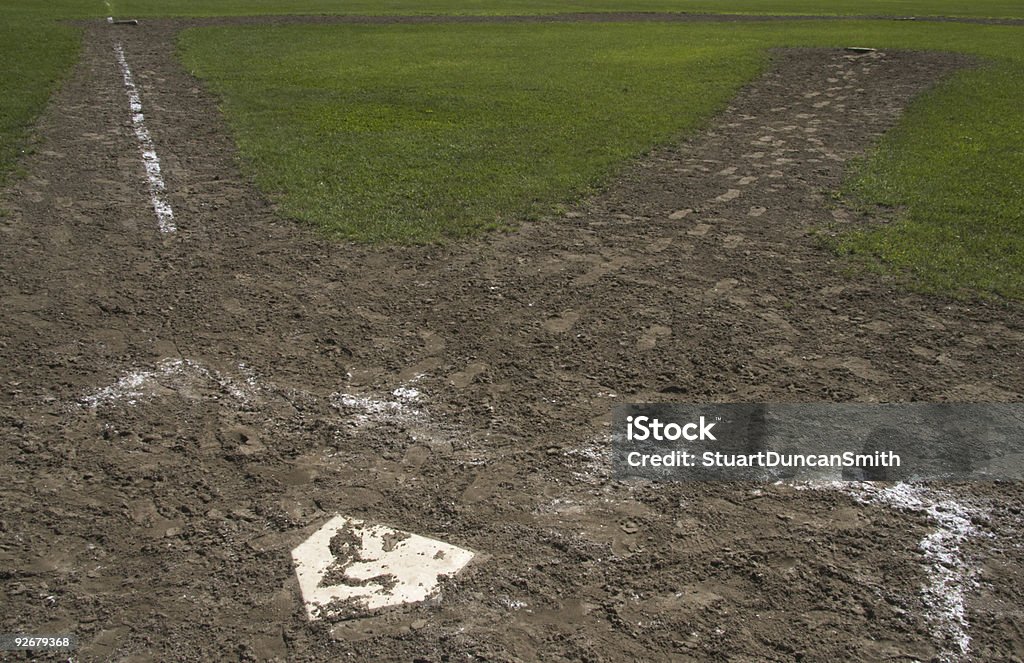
x,y
954,171
37,53
990,8
449,129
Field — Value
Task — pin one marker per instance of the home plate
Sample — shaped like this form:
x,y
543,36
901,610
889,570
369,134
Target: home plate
x,y
349,568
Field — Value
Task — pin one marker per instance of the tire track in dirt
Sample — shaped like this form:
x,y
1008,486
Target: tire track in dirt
x,y
163,519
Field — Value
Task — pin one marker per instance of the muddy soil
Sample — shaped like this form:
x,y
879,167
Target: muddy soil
x,y
179,411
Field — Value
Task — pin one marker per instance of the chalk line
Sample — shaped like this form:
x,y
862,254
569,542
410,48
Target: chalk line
x,y
180,373
950,575
164,213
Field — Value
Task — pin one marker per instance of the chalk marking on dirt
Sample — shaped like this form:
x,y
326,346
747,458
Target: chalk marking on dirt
x,y
401,409
164,213
179,373
593,462
351,566
950,576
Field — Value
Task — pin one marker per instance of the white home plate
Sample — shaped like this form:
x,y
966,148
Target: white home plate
x,y
349,567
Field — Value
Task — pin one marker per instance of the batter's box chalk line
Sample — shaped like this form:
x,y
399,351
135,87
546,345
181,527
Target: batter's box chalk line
x,y
178,375
950,575
400,406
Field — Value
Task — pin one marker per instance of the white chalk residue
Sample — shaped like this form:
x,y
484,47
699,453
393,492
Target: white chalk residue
x,y
592,463
164,213
406,394
949,574
175,374
367,409
372,409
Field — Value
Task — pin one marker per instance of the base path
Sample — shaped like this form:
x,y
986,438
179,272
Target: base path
x,y
180,411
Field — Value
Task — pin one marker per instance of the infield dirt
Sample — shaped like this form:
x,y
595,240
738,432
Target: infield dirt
x,y
179,411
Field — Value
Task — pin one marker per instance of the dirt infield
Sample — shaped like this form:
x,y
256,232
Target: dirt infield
x,y
180,410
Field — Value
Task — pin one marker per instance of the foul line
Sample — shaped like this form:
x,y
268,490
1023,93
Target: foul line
x,y
164,213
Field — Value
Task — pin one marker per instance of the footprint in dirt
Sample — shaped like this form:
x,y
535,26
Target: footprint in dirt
x,y
731,194
468,376
560,324
433,343
649,339
598,271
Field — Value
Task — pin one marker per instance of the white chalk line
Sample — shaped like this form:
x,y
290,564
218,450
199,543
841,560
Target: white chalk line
x,y
399,407
145,384
950,577
184,376
164,213
368,409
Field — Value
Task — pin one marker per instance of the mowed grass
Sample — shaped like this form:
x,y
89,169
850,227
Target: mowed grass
x,y
953,172
36,53
986,8
416,133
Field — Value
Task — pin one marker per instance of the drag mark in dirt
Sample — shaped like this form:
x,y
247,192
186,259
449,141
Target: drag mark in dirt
x,y
949,574
164,213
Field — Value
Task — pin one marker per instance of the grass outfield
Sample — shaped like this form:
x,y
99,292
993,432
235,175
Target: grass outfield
x,y
955,169
36,68
449,129
37,52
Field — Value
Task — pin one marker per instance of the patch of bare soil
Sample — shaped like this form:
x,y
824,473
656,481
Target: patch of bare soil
x,y
179,411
